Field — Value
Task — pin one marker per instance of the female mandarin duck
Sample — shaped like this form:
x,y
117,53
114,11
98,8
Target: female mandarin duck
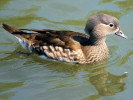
x,y
71,46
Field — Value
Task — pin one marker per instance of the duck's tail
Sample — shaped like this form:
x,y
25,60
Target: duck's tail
x,y
10,29
20,35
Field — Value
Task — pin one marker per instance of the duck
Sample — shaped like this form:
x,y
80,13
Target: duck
x,y
70,46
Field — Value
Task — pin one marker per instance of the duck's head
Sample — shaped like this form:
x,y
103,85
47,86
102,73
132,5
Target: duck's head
x,y
100,25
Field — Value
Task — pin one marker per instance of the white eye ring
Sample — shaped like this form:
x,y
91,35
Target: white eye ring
x,y
111,25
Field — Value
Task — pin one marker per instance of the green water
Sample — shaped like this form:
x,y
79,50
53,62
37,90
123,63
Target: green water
x,y
25,76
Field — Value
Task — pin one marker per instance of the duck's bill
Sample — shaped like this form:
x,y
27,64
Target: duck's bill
x,y
120,33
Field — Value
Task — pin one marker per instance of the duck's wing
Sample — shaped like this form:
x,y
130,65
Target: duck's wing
x,y
79,37
49,41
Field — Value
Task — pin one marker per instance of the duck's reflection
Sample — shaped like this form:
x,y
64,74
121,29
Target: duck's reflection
x,y
106,83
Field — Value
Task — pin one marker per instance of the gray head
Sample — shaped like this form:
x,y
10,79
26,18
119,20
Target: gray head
x,y
100,25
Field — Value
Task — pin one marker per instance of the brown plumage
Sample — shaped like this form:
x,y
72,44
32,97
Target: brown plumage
x,y
71,46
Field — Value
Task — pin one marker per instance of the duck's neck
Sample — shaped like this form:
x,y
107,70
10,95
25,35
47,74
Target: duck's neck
x,y
94,40
97,50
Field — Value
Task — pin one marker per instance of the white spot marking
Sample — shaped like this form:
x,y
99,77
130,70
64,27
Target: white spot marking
x,y
60,49
71,58
58,54
45,47
52,48
56,47
31,31
51,55
64,54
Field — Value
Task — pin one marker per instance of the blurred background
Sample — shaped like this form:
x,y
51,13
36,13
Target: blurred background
x,y
26,76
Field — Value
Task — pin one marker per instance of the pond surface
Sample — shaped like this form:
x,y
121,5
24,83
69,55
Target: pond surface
x,y
25,76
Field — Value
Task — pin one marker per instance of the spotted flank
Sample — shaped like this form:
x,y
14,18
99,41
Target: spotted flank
x,y
70,46
58,53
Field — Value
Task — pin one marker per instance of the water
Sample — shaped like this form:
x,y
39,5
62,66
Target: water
x,y
25,76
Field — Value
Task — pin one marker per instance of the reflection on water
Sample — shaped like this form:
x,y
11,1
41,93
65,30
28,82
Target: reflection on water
x,y
105,83
126,58
3,3
106,1
125,7
8,86
40,79
30,14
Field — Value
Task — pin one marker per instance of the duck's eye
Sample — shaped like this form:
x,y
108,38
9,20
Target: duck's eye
x,y
111,24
